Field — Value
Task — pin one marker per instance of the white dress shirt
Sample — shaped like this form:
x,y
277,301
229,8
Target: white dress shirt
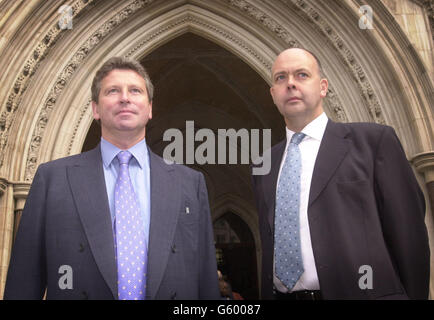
x,y
309,147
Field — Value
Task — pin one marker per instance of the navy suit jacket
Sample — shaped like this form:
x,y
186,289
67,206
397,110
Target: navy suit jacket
x,y
365,209
66,222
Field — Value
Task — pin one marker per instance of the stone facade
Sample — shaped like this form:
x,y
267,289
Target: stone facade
x,y
382,74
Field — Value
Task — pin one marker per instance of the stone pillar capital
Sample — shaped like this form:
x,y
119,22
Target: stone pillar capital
x,y
424,163
21,190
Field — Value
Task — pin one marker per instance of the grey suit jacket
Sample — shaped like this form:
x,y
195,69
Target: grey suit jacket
x,y
66,222
365,209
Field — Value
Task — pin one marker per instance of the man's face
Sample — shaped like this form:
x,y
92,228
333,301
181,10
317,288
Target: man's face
x,y
123,104
297,89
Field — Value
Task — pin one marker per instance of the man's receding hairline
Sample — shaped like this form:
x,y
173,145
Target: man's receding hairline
x,y
124,69
315,58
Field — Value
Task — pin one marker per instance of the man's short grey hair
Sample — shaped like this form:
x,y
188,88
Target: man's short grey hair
x,y
120,63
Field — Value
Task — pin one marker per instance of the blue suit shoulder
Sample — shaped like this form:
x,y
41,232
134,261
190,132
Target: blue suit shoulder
x,y
363,132
369,128
77,159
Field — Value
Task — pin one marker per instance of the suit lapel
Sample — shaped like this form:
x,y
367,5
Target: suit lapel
x,y
87,184
270,180
334,147
165,203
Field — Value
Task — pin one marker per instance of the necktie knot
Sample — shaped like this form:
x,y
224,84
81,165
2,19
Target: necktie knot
x,y
124,157
297,137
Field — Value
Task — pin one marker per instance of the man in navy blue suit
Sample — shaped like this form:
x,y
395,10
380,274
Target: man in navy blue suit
x,y
361,211
68,223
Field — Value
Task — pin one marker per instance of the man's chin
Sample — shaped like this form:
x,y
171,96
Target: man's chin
x,y
293,110
130,124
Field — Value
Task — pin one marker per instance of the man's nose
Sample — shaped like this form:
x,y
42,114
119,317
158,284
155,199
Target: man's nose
x,y
291,82
125,98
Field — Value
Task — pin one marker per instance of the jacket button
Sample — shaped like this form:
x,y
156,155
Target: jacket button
x,y
173,248
173,296
81,249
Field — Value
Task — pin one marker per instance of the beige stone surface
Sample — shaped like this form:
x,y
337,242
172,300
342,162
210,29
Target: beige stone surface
x,y
383,75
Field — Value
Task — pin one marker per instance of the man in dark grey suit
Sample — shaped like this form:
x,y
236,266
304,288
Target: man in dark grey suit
x,y
359,216
69,241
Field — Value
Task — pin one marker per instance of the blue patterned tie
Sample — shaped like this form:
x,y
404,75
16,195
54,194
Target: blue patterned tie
x,y
287,247
130,236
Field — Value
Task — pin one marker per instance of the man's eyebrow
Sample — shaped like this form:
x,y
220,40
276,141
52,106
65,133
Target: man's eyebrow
x,y
279,73
304,69
111,86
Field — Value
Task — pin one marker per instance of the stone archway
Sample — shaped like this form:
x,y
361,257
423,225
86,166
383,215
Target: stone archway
x,y
46,114
176,18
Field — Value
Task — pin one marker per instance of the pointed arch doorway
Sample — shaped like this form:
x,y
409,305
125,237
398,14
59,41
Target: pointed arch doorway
x,y
196,79
236,254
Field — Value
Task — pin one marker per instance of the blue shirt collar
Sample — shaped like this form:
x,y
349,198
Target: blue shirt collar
x,y
139,152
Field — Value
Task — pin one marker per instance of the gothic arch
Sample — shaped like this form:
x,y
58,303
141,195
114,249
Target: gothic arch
x,y
138,27
45,94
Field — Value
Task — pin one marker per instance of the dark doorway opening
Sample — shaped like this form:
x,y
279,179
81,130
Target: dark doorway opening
x,y
236,254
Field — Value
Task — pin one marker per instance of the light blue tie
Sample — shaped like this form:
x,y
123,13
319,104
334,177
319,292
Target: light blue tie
x,y
287,248
131,252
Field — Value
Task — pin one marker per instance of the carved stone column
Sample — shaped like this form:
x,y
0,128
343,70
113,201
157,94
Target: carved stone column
x,y
6,228
21,190
424,163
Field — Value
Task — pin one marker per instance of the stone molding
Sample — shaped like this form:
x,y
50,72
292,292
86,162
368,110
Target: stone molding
x,y
103,31
3,185
429,7
21,190
249,8
66,74
29,68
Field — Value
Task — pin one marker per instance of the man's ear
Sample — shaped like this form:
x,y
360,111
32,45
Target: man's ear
x,y
150,110
95,111
324,85
272,93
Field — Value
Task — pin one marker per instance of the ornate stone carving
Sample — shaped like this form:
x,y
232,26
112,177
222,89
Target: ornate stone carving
x,y
65,75
335,107
243,5
303,8
372,102
29,68
3,185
